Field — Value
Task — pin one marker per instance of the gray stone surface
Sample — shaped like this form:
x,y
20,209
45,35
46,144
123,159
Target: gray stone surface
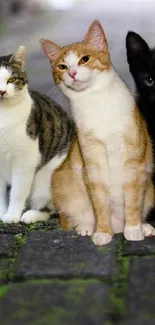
x,y
4,265
144,247
55,303
64,254
6,245
141,295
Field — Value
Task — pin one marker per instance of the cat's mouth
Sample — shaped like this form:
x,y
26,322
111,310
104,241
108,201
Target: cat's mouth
x,y
77,85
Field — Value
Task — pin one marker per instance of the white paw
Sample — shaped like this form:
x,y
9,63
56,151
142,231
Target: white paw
x,y
11,218
32,216
85,230
148,230
101,238
134,232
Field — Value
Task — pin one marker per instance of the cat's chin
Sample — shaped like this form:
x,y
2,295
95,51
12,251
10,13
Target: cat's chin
x,y
77,86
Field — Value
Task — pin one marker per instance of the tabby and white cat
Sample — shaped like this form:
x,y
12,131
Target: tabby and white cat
x,y
35,134
114,155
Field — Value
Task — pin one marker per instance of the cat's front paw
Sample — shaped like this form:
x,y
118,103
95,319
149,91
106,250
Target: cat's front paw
x,y
134,233
32,216
11,218
85,229
101,238
148,230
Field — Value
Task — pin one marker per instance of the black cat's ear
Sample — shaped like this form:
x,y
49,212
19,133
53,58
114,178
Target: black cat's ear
x,y
136,46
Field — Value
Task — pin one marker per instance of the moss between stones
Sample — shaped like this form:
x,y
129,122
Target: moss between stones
x,y
119,288
21,314
75,281
19,241
57,316
3,290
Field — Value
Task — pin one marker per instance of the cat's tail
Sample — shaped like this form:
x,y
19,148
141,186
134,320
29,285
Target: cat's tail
x,y
32,216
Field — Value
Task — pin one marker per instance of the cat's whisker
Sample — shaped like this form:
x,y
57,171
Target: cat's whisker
x,y
52,89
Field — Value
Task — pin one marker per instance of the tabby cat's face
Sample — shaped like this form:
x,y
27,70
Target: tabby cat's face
x,y
141,61
78,65
12,76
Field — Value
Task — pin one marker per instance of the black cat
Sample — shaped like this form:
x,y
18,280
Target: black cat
x,y
141,60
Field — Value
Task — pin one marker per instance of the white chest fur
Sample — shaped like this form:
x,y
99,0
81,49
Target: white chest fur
x,y
106,112
15,145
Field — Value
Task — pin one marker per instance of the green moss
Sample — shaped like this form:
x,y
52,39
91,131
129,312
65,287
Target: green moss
x,y
19,241
3,290
77,282
120,281
75,291
57,316
103,249
21,314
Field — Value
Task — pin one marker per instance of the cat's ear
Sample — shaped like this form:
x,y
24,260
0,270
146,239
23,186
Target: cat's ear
x,y
51,49
136,46
96,37
19,56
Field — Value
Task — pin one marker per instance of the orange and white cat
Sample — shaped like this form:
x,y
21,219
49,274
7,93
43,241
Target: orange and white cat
x,y
105,184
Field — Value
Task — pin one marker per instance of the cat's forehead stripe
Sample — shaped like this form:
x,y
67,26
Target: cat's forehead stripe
x,y
71,58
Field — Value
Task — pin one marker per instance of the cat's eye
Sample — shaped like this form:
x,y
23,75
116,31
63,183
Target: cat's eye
x,y
62,66
11,80
84,59
149,81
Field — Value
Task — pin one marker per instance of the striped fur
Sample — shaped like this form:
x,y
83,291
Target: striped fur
x,y
35,136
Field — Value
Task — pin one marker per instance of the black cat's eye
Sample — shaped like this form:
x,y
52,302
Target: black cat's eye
x,y
62,66
11,80
84,59
149,81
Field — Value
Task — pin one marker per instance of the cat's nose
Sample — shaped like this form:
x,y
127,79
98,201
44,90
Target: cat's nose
x,y
72,74
2,92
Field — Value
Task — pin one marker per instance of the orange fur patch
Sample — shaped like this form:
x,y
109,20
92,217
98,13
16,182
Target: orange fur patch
x,y
98,59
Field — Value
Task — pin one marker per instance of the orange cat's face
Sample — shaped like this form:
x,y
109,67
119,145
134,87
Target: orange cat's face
x,y
76,66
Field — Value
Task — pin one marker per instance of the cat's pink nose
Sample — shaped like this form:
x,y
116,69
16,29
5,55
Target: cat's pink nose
x,y
2,92
72,74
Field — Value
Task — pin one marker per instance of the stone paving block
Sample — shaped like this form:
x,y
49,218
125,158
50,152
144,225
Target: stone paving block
x,y
142,247
53,223
12,229
141,292
61,253
4,264
6,244
55,303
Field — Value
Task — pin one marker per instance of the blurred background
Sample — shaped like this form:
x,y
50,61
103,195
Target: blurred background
x,y
24,22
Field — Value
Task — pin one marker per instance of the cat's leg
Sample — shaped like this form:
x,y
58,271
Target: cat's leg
x,y
117,209
97,182
74,207
64,223
3,197
149,202
77,215
134,193
71,198
41,197
22,178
